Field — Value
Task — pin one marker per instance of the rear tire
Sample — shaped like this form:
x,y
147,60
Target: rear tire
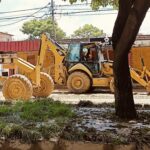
x,y
78,82
46,87
17,87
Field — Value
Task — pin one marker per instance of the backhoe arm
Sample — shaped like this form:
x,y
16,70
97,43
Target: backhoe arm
x,y
59,54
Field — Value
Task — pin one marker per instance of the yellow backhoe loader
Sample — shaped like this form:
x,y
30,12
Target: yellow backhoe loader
x,y
96,72
81,69
31,81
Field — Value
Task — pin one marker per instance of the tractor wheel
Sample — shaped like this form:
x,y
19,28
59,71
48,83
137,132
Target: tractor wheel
x,y
78,82
17,87
46,87
112,86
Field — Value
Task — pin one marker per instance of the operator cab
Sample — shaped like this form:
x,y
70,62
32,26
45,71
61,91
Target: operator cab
x,y
88,54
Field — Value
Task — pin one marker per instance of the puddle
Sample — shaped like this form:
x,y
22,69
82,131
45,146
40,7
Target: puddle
x,y
100,125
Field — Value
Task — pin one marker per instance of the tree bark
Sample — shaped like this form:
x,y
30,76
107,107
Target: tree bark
x,y
125,30
124,9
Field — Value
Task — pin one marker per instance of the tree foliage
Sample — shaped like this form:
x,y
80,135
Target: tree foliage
x,y
87,31
95,4
35,27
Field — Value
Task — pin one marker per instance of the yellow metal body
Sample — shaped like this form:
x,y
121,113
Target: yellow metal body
x,y
80,67
107,68
33,72
137,53
59,69
106,76
141,77
101,82
2,79
96,82
29,70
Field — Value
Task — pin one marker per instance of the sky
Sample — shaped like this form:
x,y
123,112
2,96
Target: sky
x,y
68,23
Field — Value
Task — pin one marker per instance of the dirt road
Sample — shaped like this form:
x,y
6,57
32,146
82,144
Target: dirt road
x,y
96,97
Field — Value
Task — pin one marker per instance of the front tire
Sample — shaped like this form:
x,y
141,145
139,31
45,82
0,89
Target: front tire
x,y
17,87
78,82
46,87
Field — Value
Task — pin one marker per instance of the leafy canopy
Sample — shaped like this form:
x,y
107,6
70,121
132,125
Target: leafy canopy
x,y
34,28
87,31
95,4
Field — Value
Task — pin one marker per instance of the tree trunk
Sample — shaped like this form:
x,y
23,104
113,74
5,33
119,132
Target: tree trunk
x,y
124,9
123,39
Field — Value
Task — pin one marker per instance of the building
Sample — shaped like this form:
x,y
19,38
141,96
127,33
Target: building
x,y
5,37
9,50
142,40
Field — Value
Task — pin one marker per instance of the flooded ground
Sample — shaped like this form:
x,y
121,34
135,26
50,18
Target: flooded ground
x,y
92,128
95,126
100,125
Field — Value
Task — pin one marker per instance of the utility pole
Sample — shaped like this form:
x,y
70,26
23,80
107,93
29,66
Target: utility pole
x,y
53,19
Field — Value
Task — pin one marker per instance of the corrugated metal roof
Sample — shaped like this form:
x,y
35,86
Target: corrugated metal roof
x,y
15,46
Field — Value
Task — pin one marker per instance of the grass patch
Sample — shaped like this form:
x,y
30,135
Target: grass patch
x,y
39,110
42,110
50,131
5,110
33,120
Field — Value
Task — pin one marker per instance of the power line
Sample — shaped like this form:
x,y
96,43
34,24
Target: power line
x,y
72,8
68,13
57,9
83,4
94,14
25,17
31,9
14,11
17,17
87,11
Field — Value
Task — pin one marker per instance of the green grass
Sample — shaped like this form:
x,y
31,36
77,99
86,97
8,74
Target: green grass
x,y
5,110
39,110
32,120
44,109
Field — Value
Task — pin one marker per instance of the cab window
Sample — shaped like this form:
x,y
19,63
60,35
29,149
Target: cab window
x,y
73,52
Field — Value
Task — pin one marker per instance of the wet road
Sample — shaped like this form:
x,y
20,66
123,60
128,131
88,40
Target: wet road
x,y
99,96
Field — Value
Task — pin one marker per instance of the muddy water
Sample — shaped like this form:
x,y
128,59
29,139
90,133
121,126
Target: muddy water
x,y
93,118
100,125
103,119
91,128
